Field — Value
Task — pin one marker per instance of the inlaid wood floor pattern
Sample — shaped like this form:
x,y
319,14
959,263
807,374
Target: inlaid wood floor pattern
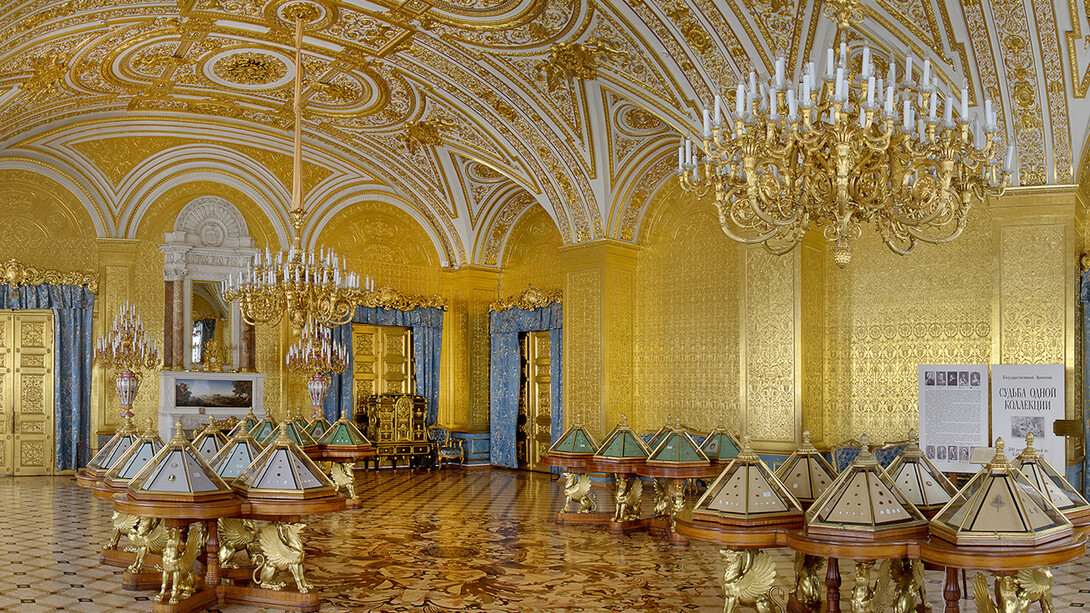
x,y
450,540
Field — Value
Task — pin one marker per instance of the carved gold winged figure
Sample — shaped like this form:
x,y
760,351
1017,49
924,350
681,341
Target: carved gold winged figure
x,y
281,549
235,535
577,489
1015,593
178,573
123,524
747,580
147,536
863,598
808,585
343,477
901,586
663,498
628,497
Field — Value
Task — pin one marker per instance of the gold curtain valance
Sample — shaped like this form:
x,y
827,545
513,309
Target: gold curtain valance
x,y
532,298
16,274
387,297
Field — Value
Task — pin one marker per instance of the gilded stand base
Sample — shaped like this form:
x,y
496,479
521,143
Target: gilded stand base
x,y
123,559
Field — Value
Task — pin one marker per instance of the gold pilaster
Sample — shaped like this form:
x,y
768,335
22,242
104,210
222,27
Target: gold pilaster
x,y
811,350
599,295
464,378
116,258
1037,238
770,308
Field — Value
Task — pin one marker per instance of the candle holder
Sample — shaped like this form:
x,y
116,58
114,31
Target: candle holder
x,y
318,355
126,347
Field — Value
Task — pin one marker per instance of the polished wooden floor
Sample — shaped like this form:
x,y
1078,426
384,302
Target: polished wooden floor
x,y
450,540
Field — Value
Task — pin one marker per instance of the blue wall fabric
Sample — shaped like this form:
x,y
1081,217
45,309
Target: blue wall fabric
x,y
73,313
1084,296
427,327
505,327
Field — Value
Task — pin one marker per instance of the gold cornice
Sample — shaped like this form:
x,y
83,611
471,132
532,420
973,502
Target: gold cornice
x,y
387,297
16,274
532,298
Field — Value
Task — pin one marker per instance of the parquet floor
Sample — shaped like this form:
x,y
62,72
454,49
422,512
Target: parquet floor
x,y
451,540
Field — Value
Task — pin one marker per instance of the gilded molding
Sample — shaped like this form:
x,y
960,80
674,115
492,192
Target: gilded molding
x,y
532,298
571,60
16,274
387,297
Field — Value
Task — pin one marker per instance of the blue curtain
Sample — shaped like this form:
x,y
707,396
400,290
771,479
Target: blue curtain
x,y
73,313
504,375
427,326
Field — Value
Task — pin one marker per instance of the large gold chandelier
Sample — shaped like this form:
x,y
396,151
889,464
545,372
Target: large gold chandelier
x,y
849,147
303,285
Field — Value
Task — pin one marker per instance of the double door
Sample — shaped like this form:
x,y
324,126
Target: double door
x,y
533,434
26,393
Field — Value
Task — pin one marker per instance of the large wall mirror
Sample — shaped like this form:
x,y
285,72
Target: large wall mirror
x,y
210,241
213,344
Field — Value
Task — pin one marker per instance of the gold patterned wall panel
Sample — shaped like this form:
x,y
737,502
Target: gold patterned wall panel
x,y
1031,294
619,324
769,326
385,242
887,313
686,327
583,350
812,335
479,356
43,224
532,254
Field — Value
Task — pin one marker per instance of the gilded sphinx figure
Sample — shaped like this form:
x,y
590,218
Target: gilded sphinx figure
x,y
235,535
1015,593
148,535
808,584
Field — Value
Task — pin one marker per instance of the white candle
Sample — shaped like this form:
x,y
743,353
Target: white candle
x,y
908,69
779,72
870,91
948,113
908,115
707,123
839,81
718,110
988,113
844,54
829,65
866,60
965,100
792,109
932,110
1008,165
891,93
926,71
739,101
773,106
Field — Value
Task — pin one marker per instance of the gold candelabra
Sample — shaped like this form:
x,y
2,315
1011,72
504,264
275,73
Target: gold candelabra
x,y
126,347
851,149
318,354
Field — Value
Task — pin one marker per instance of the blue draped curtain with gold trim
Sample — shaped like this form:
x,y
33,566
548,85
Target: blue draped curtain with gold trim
x,y
427,327
505,327
73,314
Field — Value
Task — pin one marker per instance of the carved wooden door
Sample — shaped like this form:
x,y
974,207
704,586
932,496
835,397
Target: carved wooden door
x,y
538,397
382,361
26,393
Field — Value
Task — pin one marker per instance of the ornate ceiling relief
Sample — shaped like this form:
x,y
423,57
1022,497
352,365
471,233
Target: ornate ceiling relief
x,y
1063,165
501,224
1014,39
481,185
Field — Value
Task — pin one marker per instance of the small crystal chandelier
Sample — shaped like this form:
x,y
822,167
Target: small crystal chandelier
x,y
298,283
836,151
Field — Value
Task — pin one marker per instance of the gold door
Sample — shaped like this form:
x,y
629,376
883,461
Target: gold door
x,y
26,393
538,398
382,361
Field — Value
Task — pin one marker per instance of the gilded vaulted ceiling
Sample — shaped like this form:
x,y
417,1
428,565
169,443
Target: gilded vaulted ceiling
x,y
466,113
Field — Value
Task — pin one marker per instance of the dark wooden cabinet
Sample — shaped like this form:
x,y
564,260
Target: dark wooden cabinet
x,y
395,424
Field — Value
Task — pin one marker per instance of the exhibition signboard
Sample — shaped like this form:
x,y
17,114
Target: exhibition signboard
x,y
953,413
1027,398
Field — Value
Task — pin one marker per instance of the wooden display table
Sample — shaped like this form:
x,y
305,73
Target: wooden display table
x,y
208,589
999,560
342,468
833,548
670,490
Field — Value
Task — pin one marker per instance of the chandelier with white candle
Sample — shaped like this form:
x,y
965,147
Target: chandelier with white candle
x,y
301,284
835,150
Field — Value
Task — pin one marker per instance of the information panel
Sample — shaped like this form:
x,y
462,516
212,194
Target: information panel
x,y
1027,398
953,414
